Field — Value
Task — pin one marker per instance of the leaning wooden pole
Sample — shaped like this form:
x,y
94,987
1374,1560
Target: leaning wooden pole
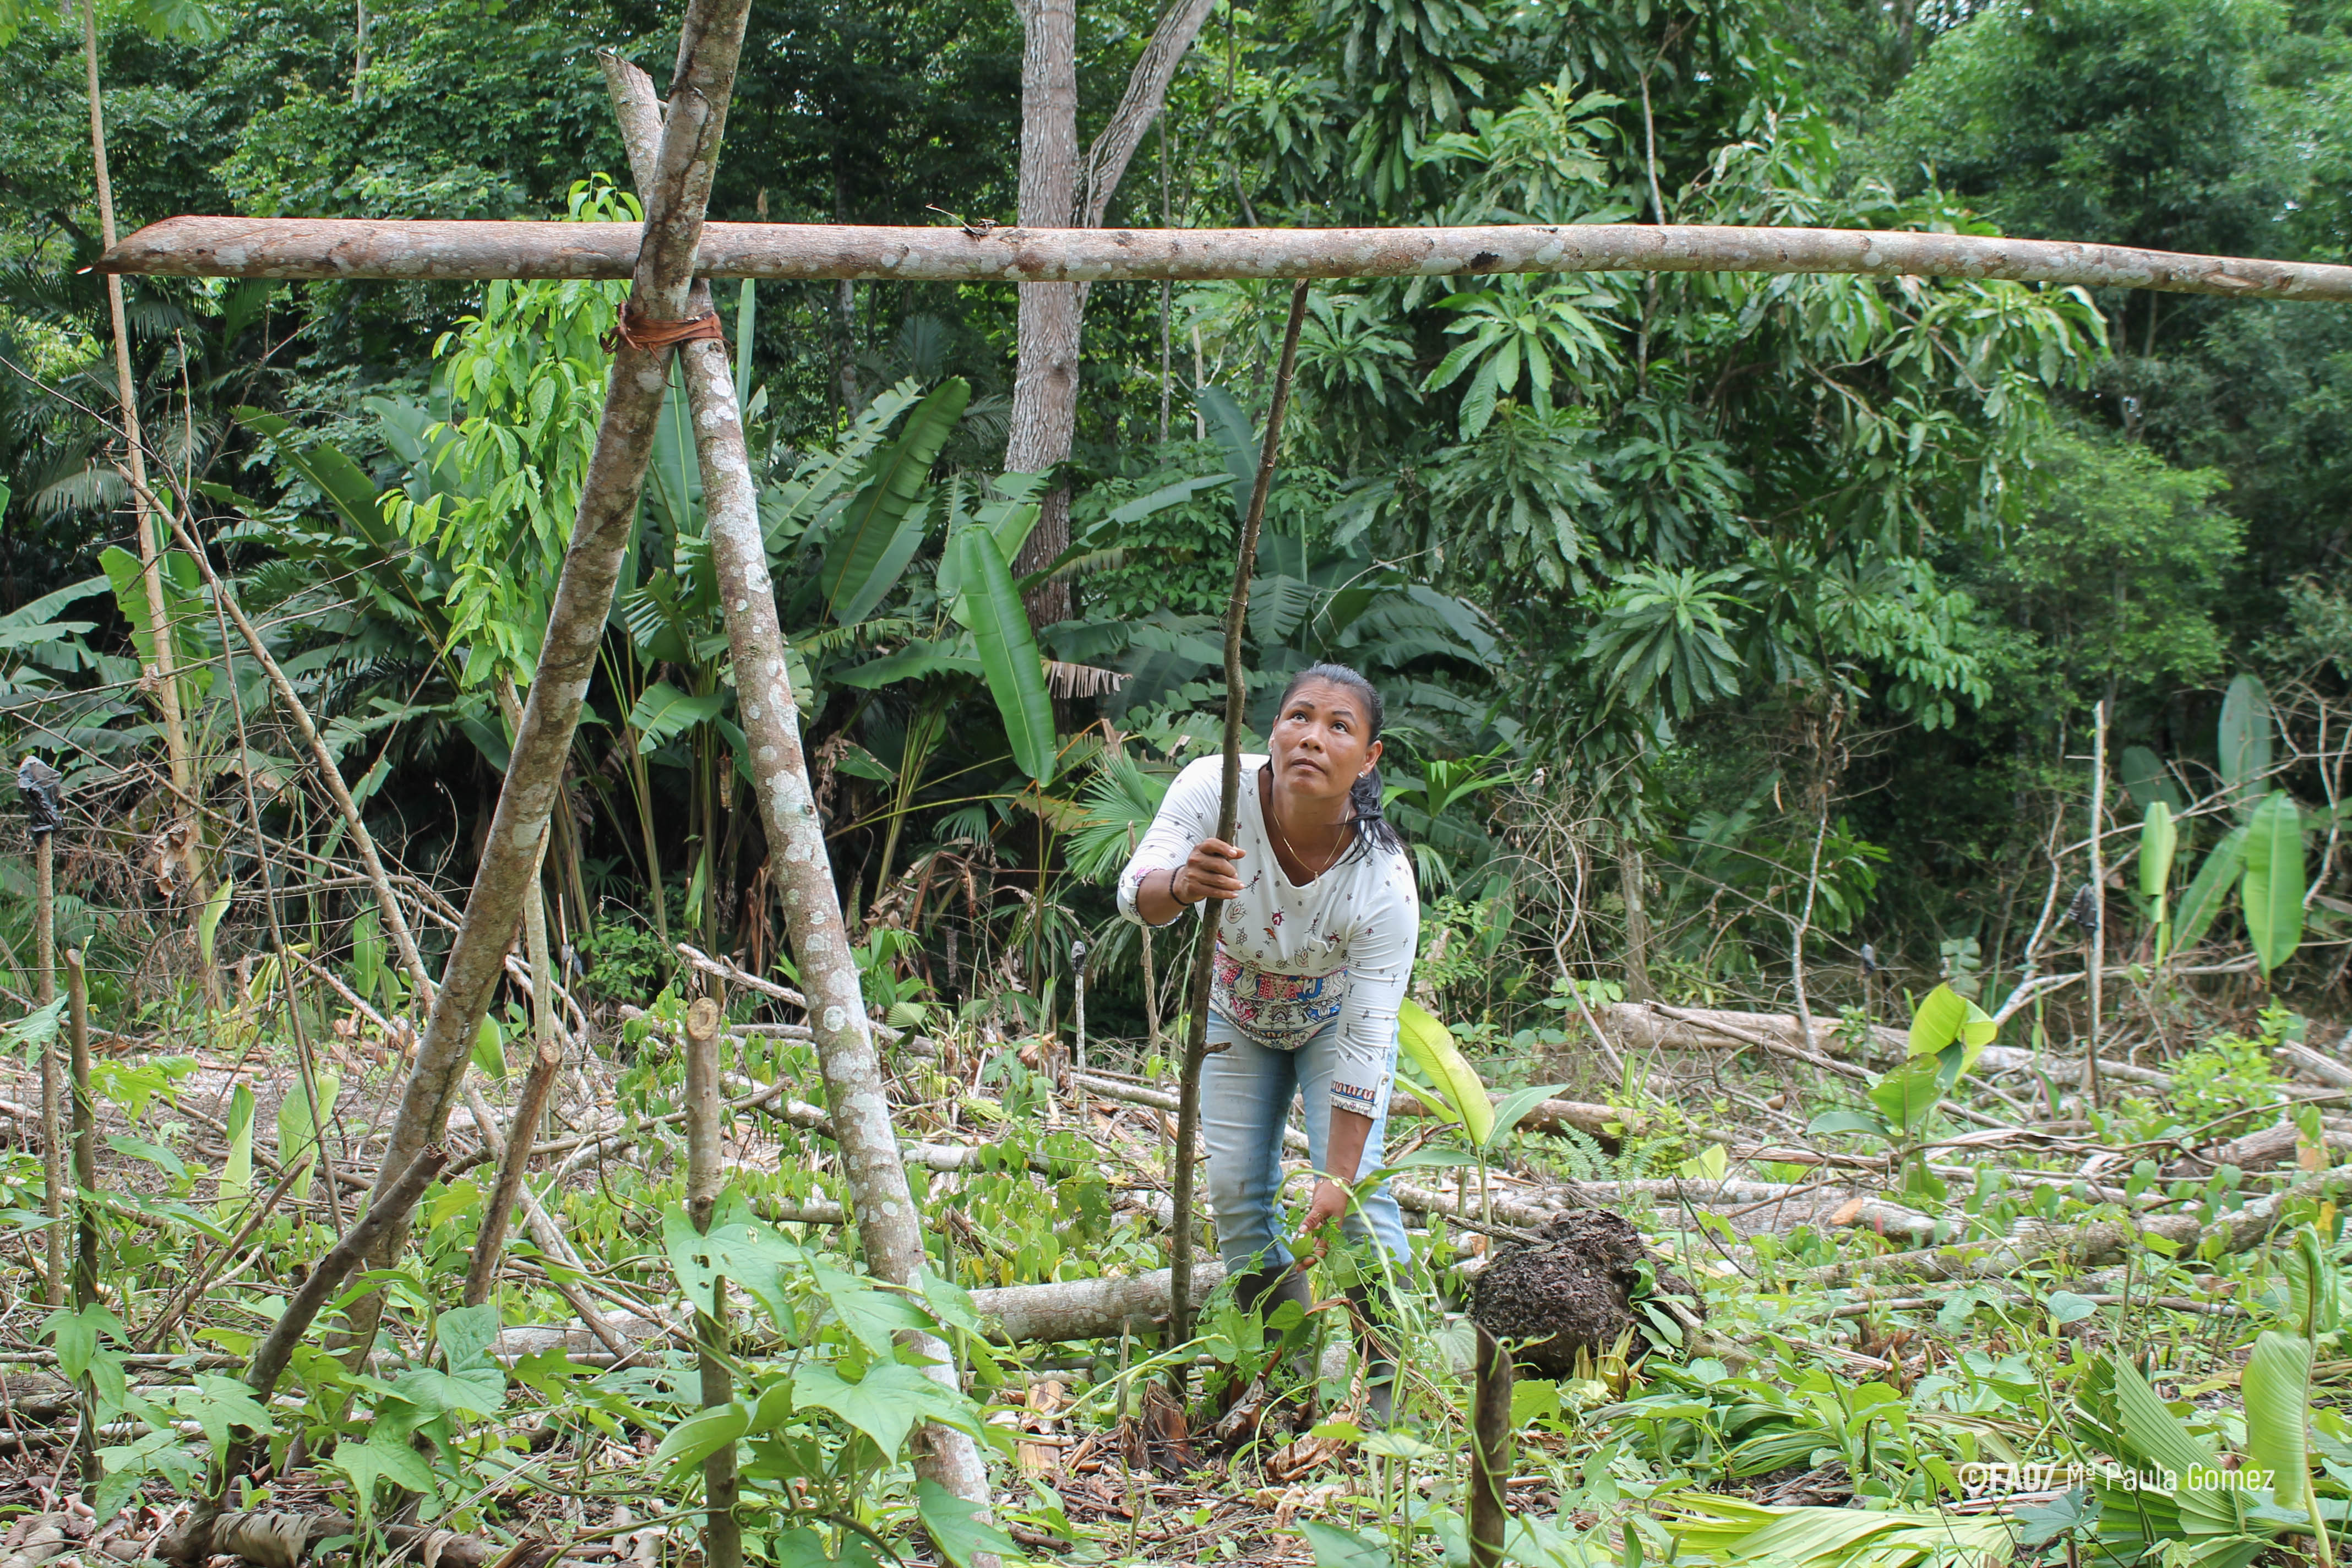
x,y
889,1224
1204,961
711,42
349,248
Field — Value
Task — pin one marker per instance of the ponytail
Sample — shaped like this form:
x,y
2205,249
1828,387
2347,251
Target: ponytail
x,y
1374,831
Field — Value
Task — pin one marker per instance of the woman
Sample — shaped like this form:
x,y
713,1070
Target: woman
x,y
1315,943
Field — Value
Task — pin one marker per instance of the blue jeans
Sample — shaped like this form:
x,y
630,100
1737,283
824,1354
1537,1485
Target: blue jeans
x,y
1245,1094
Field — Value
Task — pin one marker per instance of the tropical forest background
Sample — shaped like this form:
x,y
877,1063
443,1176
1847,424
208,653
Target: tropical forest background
x,y
1743,637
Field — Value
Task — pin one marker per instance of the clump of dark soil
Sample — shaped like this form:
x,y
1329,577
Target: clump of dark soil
x,y
1573,1291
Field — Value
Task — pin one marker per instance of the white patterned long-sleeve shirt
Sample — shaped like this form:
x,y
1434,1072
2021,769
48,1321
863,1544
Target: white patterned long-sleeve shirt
x,y
1291,959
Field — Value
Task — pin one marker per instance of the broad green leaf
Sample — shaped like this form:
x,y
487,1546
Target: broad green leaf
x,y
1161,500
2273,891
1337,1547
2245,736
960,1529
885,1403
465,1335
490,1044
1711,1163
2158,837
1945,1015
879,531
912,662
2159,1436
367,952
1907,1093
1513,1108
382,1457
1430,1046
871,1313
2277,1388
699,1436
2066,1307
1237,440
1850,1122
236,1172
992,607
475,1390
739,1247
950,1302
2150,785
2202,903
209,919
222,1405
663,713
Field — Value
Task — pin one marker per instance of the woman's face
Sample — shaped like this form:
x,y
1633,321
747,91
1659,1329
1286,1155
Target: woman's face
x,y
1322,741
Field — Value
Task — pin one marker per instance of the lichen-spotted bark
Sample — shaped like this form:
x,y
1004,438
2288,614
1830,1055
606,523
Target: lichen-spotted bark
x,y
364,248
710,43
890,1226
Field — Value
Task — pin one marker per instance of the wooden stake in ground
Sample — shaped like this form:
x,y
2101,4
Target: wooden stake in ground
x,y
2094,969
1490,1453
706,1174
889,1224
1204,962
85,1165
710,44
38,784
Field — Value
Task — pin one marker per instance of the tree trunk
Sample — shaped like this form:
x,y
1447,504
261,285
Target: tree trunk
x,y
1045,379
345,249
1045,375
708,45
889,1224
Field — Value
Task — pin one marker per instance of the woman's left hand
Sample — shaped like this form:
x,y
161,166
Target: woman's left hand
x,y
1329,1204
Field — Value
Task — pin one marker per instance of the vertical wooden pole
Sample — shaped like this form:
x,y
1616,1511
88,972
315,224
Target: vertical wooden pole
x,y
722,1532
1490,1453
2094,969
1204,961
85,1165
53,1134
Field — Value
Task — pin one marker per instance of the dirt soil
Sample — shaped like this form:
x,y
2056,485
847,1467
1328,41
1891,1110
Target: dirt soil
x,y
1573,1291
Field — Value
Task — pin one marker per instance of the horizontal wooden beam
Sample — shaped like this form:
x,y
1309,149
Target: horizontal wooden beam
x,y
357,249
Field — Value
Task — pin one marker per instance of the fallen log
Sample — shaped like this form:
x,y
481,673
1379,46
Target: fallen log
x,y
2263,1149
1606,1124
1085,1309
2089,1244
347,248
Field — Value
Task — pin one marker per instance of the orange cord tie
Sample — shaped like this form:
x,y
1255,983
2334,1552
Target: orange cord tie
x,y
655,336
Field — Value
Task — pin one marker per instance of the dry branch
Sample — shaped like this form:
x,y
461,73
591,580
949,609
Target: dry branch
x,y
347,248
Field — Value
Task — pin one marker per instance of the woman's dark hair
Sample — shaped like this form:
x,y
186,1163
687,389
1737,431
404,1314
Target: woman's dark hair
x,y
1373,829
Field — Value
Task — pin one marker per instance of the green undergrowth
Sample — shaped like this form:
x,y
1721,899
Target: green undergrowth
x,y
1889,1422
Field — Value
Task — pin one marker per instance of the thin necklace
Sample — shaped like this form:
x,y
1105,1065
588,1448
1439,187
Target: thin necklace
x,y
1275,816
